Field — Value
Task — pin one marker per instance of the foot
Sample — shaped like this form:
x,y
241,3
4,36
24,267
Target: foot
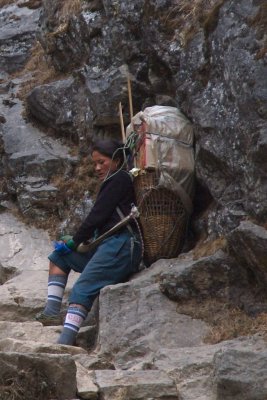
x,y
49,320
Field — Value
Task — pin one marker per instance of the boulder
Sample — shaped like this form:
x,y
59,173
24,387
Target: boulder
x,y
135,385
68,45
247,244
192,368
17,34
141,321
213,71
62,106
31,160
86,388
241,374
24,269
220,82
41,376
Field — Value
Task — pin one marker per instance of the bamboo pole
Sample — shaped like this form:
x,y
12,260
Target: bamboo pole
x,y
130,97
122,124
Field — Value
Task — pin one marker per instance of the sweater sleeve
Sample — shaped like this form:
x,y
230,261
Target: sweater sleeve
x,y
110,194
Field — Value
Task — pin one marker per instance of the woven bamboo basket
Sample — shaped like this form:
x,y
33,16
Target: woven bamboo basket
x,y
163,218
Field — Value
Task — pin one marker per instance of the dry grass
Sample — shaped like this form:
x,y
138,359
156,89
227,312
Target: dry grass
x,y
3,184
71,191
226,321
26,384
187,17
235,323
70,7
208,248
39,70
6,2
83,180
32,4
260,23
260,19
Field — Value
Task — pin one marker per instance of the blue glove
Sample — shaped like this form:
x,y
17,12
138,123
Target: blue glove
x,y
62,248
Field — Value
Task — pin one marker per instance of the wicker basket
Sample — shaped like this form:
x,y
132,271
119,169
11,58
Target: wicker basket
x,y
162,216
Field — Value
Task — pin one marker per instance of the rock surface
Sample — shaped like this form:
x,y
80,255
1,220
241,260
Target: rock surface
x,y
16,35
42,376
242,373
144,348
24,269
216,77
143,320
140,346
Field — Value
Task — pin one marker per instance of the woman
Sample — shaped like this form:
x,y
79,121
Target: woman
x,y
113,261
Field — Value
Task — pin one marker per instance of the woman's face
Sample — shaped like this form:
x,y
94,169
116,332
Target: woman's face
x,y
104,165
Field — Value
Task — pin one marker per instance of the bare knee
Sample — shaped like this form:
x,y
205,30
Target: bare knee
x,y
55,270
79,306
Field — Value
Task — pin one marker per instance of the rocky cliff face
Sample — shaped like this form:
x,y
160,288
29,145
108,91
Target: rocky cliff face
x,y
215,75
217,78
64,68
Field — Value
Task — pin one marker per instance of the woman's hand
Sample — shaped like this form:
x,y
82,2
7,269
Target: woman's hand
x,y
64,246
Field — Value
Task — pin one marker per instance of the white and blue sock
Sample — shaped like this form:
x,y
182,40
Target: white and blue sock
x,y
73,321
55,292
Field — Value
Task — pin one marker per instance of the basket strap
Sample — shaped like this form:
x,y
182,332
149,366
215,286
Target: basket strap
x,y
130,229
122,217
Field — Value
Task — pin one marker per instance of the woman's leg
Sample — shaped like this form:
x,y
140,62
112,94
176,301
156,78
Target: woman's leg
x,y
76,314
59,268
57,281
112,263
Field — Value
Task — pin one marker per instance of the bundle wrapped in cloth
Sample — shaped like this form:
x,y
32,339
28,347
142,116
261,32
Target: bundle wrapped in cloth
x,y
162,139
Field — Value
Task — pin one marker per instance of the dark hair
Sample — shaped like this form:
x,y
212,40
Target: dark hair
x,y
112,148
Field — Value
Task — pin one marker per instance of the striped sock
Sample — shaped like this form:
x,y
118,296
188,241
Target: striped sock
x,y
73,321
55,292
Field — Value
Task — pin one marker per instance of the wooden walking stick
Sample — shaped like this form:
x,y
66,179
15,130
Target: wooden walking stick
x,y
122,124
130,97
87,246
131,108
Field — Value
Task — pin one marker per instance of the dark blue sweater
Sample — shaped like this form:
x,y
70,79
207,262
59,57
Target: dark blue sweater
x,y
116,191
